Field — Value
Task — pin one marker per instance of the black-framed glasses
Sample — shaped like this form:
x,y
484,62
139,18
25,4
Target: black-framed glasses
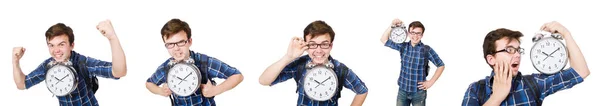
x,y
322,45
179,44
511,50
416,33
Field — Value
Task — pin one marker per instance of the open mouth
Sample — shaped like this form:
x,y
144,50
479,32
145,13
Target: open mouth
x,y
514,65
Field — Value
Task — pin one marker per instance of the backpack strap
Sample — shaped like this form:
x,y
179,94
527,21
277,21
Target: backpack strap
x,y
426,59
204,62
481,91
90,80
300,67
530,82
341,80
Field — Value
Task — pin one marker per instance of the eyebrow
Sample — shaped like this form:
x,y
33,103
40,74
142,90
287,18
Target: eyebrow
x,y
58,43
316,42
176,42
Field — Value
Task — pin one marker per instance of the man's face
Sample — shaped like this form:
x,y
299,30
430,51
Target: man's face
x,y
319,48
60,48
178,45
415,34
513,59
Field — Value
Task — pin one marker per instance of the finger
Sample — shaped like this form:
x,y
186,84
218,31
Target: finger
x,y
496,70
506,70
419,82
510,73
501,74
304,48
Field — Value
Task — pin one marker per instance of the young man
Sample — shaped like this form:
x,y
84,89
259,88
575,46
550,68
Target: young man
x,y
318,42
59,39
415,57
176,35
506,85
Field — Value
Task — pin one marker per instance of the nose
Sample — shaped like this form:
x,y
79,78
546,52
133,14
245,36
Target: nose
x,y
517,56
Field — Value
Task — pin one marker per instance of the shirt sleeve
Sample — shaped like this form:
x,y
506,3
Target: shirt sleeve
x,y
217,68
470,98
353,82
99,68
550,84
287,73
36,76
433,56
395,46
159,76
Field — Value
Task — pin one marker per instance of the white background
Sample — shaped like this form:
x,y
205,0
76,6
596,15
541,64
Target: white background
x,y
251,35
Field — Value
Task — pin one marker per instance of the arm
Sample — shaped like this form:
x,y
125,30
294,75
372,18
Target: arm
x,y
217,68
296,48
18,75
386,34
119,67
271,73
359,99
433,56
157,79
353,82
577,61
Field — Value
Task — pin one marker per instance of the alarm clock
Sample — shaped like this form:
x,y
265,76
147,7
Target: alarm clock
x,y
320,82
61,78
183,77
549,54
398,34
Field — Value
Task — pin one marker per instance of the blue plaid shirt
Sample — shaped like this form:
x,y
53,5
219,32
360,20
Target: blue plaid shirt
x,y
216,68
351,82
413,63
521,94
81,96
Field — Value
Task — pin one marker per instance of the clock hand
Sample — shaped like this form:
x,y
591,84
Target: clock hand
x,y
317,83
326,79
64,77
57,81
185,78
187,75
550,55
179,78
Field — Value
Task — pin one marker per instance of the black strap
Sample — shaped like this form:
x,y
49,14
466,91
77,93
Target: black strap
x,y
426,58
90,80
530,82
481,91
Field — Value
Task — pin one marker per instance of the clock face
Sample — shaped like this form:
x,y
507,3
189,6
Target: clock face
x,y
549,55
320,83
183,79
60,80
398,35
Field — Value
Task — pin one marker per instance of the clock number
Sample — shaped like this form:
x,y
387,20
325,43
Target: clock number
x,y
320,72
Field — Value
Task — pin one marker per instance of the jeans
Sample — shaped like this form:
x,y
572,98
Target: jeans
x,y
414,98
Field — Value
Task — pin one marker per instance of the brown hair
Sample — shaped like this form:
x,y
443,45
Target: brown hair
x,y
58,30
318,28
416,24
489,43
174,26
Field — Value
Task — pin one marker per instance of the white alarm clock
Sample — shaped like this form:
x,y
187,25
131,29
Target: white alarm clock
x,y
183,78
320,82
398,34
61,78
549,54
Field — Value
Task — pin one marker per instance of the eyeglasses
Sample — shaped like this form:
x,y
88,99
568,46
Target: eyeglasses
x,y
322,45
511,50
416,33
179,44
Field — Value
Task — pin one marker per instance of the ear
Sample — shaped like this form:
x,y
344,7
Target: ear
x,y
491,60
72,45
190,42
